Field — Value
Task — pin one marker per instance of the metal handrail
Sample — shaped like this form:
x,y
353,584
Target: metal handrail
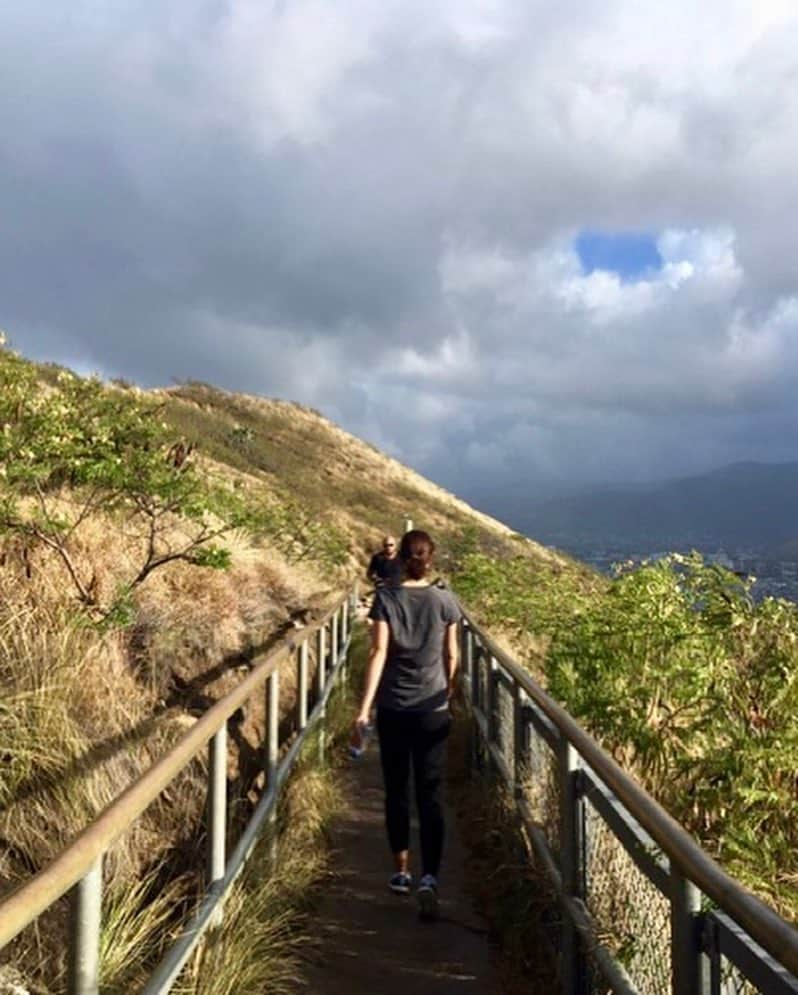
x,y
79,859
760,921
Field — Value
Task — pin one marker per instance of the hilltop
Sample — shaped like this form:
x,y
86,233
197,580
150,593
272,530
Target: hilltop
x,y
294,452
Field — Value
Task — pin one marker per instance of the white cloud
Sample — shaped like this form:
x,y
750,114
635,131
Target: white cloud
x,y
282,64
372,209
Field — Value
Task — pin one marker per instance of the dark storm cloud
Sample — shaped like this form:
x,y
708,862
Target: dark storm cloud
x,y
373,210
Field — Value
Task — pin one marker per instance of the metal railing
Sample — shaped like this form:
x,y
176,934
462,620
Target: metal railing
x,y
79,868
644,909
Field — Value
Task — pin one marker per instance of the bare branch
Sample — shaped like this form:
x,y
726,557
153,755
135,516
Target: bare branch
x,y
58,547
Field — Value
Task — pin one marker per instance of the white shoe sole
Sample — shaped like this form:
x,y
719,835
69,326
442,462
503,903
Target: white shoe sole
x,y
400,889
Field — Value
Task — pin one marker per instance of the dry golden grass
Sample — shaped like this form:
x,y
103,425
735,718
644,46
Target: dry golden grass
x,y
63,691
134,923
359,489
82,714
264,940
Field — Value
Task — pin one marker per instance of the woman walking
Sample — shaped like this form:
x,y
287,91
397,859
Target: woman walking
x,y
410,671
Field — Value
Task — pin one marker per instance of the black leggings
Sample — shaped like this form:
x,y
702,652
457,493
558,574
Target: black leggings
x,y
422,736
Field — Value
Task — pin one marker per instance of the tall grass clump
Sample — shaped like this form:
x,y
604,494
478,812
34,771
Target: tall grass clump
x,y
36,671
42,656
74,731
135,920
263,940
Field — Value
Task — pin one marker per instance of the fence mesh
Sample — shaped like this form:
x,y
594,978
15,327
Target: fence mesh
x,y
733,982
540,786
632,916
504,723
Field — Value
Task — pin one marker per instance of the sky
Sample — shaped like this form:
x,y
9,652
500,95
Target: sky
x,y
524,247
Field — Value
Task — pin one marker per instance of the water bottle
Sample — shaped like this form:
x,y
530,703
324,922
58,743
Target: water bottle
x,y
359,740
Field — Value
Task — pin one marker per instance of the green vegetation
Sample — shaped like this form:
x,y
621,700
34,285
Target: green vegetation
x,y
72,449
76,450
687,680
520,595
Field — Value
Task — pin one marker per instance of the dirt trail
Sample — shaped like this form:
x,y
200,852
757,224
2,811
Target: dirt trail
x,y
372,941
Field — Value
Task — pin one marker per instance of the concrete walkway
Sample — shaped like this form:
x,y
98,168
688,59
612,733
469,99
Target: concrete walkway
x,y
372,941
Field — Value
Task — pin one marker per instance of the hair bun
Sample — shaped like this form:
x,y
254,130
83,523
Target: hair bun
x,y
416,551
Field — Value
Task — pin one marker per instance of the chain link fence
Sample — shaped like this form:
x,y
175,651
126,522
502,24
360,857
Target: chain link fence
x,y
632,923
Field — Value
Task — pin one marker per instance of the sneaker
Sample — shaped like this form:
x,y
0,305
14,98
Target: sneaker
x,y
427,897
400,883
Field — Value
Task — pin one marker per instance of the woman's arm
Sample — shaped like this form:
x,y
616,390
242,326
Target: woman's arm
x,y
450,654
376,663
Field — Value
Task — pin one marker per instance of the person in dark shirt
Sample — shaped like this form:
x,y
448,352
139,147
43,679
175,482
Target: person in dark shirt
x,y
410,672
385,567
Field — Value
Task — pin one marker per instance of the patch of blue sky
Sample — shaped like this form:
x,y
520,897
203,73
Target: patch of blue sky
x,y
632,255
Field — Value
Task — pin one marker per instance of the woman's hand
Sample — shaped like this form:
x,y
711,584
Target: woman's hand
x,y
357,737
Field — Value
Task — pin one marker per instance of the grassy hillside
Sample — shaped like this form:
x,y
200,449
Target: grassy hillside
x,y
149,543
301,457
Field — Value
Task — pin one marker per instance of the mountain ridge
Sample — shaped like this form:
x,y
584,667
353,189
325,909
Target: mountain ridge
x,y
745,503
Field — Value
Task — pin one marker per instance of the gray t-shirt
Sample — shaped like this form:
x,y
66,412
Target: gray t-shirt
x,y
414,678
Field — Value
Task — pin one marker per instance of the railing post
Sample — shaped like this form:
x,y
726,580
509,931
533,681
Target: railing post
x,y
493,701
272,751
272,725
689,977
321,680
465,670
477,656
85,923
713,969
467,682
520,758
334,640
302,686
217,804
572,827
473,664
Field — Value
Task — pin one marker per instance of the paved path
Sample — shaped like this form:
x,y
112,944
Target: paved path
x,y
372,941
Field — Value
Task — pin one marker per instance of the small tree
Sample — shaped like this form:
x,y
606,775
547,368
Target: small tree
x,y
69,451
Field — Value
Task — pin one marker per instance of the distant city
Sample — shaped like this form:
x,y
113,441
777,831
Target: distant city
x,y
743,516
775,578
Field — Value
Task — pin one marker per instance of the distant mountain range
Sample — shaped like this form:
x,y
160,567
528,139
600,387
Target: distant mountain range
x,y
743,505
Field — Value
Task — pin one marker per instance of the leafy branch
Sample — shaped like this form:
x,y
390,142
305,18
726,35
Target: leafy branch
x,y
72,451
